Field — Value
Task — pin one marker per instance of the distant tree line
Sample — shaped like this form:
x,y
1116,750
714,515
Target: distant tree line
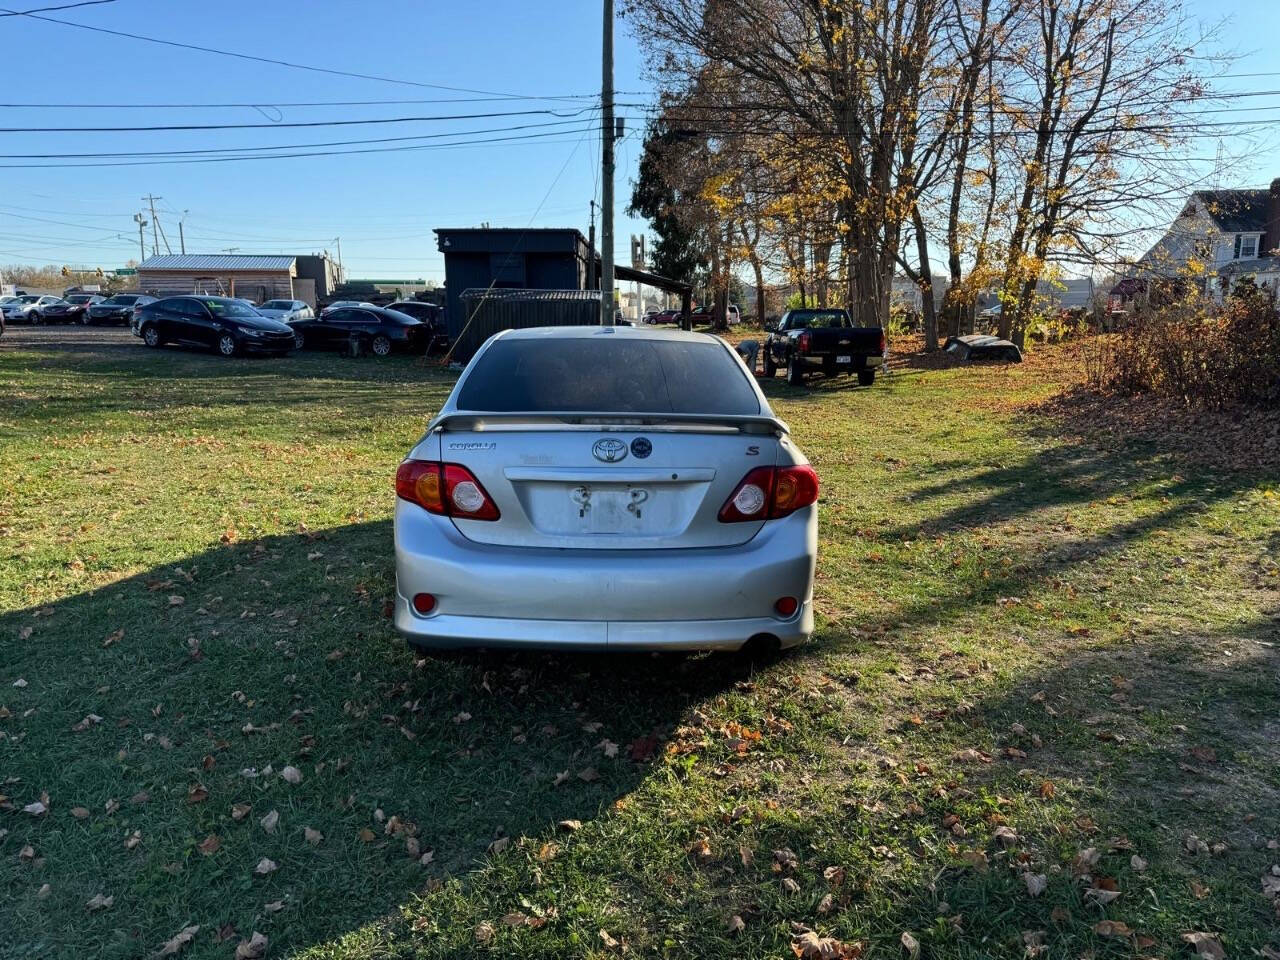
x,y
969,145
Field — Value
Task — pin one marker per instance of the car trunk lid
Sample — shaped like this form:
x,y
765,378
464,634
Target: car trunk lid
x,y
606,486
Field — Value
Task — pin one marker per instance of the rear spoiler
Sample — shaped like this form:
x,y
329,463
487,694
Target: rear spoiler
x,y
479,422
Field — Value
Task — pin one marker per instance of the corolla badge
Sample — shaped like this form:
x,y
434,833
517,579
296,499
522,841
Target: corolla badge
x,y
610,450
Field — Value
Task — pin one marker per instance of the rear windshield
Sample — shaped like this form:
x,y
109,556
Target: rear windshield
x,y
801,319
608,374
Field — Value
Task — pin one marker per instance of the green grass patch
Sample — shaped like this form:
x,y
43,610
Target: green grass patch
x,y
1036,657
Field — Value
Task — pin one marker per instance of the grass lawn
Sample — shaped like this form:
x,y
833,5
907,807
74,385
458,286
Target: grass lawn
x,y
1040,715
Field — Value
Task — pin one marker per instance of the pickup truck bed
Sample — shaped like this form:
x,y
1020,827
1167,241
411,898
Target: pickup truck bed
x,y
823,341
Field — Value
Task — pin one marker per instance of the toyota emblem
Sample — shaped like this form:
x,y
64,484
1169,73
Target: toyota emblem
x,y
610,450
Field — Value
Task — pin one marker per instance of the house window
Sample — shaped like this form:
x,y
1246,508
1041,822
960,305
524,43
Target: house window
x,y
1246,246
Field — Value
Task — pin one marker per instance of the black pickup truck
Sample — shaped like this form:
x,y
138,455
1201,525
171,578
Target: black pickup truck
x,y
823,341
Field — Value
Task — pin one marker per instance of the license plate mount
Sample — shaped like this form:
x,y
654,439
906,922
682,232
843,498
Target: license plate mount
x,y
844,358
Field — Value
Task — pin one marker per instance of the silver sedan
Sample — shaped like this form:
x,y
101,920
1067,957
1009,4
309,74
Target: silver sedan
x,y
606,488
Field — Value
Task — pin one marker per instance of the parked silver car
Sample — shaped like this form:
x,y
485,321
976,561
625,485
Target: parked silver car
x,y
286,310
606,487
27,308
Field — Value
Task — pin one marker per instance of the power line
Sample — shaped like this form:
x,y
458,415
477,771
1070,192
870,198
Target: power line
x,y
283,146
551,136
303,103
298,123
65,6
247,56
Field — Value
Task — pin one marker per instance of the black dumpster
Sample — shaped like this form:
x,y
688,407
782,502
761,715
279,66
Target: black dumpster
x,y
489,310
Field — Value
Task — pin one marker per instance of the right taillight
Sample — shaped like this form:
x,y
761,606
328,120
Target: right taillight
x,y
447,489
769,493
803,342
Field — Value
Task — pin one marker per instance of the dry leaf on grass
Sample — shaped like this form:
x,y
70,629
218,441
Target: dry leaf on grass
x,y
826,904
291,775
210,845
484,932
735,925
809,946
197,793
1112,928
313,837
179,940
1205,945
570,825
100,902
252,949
265,866
79,812
911,945
268,822
133,840
499,845
1036,883
36,809
1101,896
1137,864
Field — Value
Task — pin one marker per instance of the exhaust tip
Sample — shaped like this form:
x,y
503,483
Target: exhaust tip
x,y
761,646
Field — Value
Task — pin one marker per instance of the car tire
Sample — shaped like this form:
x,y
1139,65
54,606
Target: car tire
x,y
770,368
380,345
299,340
795,375
866,377
84,319
35,319
151,336
227,345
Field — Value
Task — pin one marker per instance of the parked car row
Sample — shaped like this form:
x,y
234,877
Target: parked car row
x,y
702,314
84,308
232,327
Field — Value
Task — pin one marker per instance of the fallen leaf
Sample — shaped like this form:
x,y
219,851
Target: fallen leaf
x,y
313,837
461,717
179,940
275,906
735,925
1205,945
44,891
609,942
484,932
291,775
265,866
976,859
28,853
588,775
269,822
827,904
1112,928
367,835
1101,896
20,683
99,902
608,747
24,633
499,845
911,945
197,793
1036,883
36,809
176,601
252,949
210,845
570,825
809,946
1047,790
239,811
1137,864
79,813
1006,836
1199,890
790,886
133,840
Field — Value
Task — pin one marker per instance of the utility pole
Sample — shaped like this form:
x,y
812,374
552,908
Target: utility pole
x,y
182,239
606,172
155,236
141,221
591,249
341,278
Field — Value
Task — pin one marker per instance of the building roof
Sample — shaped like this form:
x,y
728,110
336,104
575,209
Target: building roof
x,y
1235,211
1256,265
218,261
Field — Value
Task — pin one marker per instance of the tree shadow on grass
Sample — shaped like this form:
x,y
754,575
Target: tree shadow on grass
x,y
181,686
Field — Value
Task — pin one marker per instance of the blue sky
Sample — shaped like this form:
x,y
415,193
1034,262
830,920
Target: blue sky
x,y
383,205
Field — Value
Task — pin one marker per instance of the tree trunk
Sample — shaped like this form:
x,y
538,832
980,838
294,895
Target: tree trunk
x,y
927,308
758,268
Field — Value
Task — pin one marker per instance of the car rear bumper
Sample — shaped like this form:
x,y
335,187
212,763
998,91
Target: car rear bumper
x,y
694,599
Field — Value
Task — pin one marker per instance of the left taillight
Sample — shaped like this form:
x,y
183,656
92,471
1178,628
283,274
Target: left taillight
x,y
770,493
447,489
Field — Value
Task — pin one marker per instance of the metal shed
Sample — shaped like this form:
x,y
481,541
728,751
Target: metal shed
x,y
486,311
233,275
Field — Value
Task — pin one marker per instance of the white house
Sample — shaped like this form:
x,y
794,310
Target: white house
x,y
1228,234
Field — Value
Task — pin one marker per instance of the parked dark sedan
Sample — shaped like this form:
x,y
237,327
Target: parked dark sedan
x,y
117,309
981,347
72,309
226,325
380,330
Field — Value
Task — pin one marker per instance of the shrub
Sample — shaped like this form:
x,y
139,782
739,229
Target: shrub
x,y
1227,358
